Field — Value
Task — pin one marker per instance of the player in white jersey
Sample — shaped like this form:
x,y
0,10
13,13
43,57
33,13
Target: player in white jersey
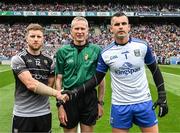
x,y
131,101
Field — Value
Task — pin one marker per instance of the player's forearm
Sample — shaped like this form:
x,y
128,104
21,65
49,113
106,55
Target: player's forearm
x,y
36,86
43,89
157,76
91,83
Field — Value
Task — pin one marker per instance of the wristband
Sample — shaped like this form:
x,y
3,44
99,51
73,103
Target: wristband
x,y
59,103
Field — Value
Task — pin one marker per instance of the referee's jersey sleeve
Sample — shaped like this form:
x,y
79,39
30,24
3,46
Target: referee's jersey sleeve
x,y
59,68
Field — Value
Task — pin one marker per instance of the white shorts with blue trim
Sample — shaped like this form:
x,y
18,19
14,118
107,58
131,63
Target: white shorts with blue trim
x,y
141,114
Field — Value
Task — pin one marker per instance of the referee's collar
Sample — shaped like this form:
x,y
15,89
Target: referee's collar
x,y
77,46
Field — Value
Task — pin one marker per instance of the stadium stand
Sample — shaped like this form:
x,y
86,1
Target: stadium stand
x,y
155,21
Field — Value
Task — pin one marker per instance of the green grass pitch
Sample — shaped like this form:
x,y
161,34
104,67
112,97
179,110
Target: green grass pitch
x,y
167,124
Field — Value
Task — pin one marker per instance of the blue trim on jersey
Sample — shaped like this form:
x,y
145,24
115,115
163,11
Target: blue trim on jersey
x,y
139,41
149,58
101,66
108,47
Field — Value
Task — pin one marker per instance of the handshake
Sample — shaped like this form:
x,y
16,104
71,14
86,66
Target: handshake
x,y
71,93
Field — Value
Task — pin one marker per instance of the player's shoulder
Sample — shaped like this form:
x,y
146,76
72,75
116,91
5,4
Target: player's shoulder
x,y
47,56
19,57
22,53
108,47
138,40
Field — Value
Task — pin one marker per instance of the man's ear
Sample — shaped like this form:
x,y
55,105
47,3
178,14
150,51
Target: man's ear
x,y
26,38
110,28
71,34
129,26
71,37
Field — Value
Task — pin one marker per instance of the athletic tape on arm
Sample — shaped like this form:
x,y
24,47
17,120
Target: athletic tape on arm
x,y
43,89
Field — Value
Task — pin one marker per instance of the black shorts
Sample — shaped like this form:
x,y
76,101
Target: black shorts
x,y
83,109
32,124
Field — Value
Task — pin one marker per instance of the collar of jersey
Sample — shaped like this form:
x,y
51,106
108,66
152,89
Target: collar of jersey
x,y
32,54
117,44
73,45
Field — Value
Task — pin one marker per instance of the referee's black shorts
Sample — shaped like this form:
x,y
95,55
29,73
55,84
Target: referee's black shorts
x,y
83,109
32,124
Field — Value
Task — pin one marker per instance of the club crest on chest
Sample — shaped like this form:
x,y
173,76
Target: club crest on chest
x,y
137,52
86,57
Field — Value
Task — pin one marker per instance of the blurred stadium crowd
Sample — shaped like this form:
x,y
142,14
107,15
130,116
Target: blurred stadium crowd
x,y
90,7
164,38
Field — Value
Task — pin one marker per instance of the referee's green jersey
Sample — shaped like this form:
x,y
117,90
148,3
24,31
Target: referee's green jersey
x,y
76,67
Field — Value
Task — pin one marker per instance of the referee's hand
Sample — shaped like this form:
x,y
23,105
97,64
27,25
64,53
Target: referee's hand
x,y
100,111
62,116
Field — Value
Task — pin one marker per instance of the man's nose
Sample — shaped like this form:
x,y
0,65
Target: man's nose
x,y
35,38
120,26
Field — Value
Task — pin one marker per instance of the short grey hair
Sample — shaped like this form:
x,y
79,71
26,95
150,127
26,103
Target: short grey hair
x,y
79,19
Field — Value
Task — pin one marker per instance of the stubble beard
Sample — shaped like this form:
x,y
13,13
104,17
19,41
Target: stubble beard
x,y
35,48
121,36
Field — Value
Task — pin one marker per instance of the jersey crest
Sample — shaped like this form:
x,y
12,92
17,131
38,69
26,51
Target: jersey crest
x,y
86,57
137,52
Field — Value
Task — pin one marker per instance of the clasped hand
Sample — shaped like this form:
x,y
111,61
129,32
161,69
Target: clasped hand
x,y
63,97
71,93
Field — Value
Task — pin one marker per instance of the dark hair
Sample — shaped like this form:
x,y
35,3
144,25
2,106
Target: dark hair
x,y
119,14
